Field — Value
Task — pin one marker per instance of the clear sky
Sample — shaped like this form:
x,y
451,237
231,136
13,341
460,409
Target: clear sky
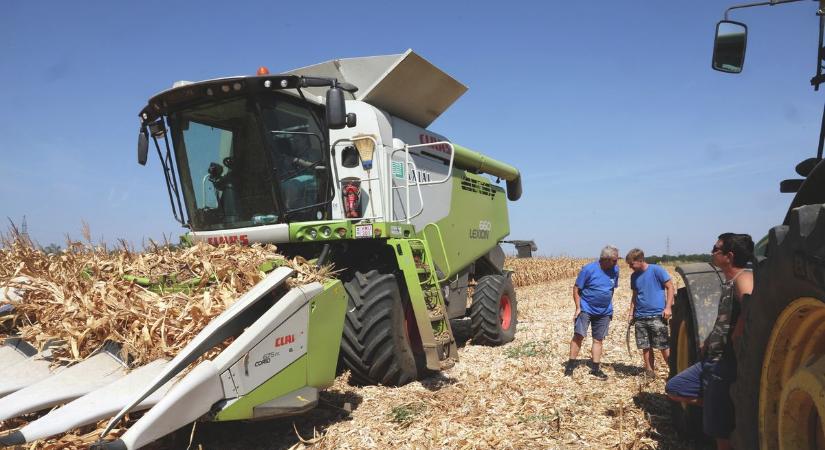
x,y
622,131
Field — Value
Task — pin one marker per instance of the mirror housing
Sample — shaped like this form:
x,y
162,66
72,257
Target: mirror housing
x,y
729,46
143,147
336,109
790,186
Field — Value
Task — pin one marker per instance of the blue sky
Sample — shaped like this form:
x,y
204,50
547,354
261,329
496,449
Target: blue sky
x,y
622,131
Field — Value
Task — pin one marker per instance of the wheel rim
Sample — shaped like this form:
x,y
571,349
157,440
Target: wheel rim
x,y
682,356
801,408
505,312
787,387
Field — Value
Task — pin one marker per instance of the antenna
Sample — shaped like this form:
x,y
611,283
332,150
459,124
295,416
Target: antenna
x,y
24,230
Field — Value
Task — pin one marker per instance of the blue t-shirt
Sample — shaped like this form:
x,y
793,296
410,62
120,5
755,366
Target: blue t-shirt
x,y
650,290
596,288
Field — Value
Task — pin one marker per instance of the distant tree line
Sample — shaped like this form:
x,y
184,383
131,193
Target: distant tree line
x,y
695,257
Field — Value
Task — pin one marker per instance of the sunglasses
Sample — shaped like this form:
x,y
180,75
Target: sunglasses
x,y
716,249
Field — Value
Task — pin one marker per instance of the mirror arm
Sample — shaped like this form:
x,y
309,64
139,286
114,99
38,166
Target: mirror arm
x,y
749,5
819,78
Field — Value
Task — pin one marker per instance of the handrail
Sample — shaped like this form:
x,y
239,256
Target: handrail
x,y
450,163
383,162
408,163
443,250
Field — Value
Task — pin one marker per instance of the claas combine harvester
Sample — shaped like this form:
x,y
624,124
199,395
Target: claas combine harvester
x,y
331,162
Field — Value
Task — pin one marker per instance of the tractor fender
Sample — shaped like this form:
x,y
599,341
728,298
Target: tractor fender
x,y
810,193
703,284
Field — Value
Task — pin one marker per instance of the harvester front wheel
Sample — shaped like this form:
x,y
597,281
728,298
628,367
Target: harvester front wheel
x,y
380,336
778,394
493,312
687,419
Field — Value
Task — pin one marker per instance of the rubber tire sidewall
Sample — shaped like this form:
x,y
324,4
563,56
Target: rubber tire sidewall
x,y
375,346
686,421
485,320
775,288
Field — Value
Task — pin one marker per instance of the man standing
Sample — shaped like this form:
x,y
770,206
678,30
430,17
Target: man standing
x,y
593,296
710,379
650,307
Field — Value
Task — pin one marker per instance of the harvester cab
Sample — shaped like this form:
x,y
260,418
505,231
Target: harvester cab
x,y
777,394
332,162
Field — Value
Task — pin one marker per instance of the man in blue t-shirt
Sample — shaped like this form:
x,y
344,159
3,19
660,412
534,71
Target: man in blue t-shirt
x,y
593,296
650,307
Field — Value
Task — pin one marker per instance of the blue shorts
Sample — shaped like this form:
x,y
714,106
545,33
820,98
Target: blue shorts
x,y
599,323
710,381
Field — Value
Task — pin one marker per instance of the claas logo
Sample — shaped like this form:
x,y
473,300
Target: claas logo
x,y
284,340
427,139
218,240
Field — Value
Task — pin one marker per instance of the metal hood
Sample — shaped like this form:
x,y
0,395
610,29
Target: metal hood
x,y
405,85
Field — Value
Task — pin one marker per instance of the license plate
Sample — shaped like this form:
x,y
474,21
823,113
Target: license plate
x,y
363,231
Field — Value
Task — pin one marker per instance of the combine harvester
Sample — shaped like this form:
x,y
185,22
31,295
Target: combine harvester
x,y
406,215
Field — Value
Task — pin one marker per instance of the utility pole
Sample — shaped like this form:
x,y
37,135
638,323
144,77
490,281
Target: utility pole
x,y
667,246
24,230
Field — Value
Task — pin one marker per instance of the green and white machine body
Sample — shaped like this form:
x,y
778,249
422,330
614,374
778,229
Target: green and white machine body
x,y
254,162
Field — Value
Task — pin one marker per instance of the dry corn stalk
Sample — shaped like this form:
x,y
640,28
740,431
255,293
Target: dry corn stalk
x,y
152,303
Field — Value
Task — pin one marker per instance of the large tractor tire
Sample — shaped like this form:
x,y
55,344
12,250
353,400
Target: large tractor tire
x,y
493,311
781,356
380,344
687,419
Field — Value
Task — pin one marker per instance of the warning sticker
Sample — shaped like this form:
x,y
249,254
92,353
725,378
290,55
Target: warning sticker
x,y
363,231
398,169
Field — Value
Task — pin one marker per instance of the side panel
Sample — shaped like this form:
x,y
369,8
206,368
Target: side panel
x,y
326,324
477,220
290,379
301,352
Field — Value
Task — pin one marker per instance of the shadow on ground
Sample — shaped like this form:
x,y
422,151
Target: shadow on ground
x,y
657,408
625,369
333,407
437,381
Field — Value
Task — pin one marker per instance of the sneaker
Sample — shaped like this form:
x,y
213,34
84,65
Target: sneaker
x,y
598,373
568,370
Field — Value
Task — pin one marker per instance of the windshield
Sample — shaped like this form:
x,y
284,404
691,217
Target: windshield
x,y
297,157
246,162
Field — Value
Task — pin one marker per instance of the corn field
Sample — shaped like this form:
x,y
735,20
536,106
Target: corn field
x,y
153,302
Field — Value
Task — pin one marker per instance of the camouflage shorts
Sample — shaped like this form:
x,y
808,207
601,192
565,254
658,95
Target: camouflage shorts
x,y
651,332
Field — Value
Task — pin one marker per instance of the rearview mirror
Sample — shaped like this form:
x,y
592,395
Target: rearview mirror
x,y
143,147
729,46
336,109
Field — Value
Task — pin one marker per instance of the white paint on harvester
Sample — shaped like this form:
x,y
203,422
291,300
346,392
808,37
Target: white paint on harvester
x,y
99,404
69,384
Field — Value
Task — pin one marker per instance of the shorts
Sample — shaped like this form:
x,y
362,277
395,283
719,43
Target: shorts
x,y
710,381
599,323
651,332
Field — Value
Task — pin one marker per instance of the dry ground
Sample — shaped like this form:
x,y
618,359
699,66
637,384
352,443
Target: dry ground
x,y
495,398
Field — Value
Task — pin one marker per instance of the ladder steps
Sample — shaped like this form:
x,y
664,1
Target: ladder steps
x,y
439,344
